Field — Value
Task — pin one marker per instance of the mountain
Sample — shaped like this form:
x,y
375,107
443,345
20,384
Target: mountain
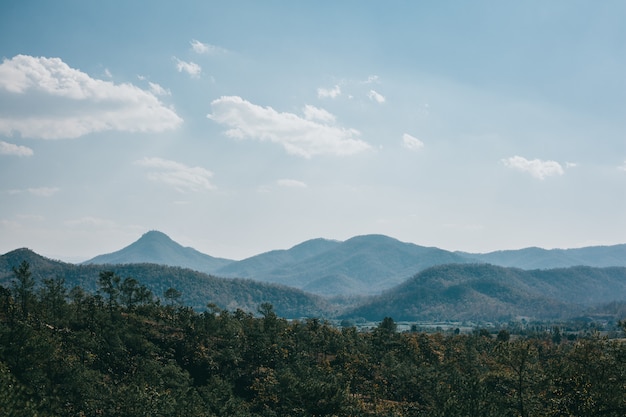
x,y
365,264
489,292
265,263
536,258
198,289
442,292
362,265
156,247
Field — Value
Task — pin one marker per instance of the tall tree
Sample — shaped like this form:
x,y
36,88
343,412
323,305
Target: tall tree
x,y
109,284
23,286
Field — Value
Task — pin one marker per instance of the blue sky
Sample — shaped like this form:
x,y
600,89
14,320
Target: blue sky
x,y
240,127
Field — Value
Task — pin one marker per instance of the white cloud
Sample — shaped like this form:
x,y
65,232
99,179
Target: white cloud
x,y
411,143
180,176
39,191
91,222
536,167
291,183
371,79
47,99
315,113
297,135
377,97
157,90
329,93
206,48
190,68
11,149
43,191
622,167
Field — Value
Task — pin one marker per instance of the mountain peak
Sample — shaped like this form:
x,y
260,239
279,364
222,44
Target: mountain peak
x,y
158,248
154,235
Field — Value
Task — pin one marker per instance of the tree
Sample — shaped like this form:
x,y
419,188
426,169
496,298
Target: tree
x,y
109,285
23,286
129,292
172,295
53,297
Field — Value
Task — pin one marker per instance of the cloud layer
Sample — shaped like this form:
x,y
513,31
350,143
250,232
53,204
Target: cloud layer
x,y
45,98
306,137
12,149
180,176
412,143
535,167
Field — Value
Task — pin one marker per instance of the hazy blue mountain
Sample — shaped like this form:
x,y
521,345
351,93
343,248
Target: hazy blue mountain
x,y
535,258
442,292
361,265
156,247
198,289
489,292
266,262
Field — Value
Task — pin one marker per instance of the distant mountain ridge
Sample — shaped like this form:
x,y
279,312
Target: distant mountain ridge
x,y
157,248
472,292
538,258
362,265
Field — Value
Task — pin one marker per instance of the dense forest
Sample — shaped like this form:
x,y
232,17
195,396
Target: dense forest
x,y
124,351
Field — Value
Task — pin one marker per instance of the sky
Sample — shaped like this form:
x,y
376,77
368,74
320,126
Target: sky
x,y
241,127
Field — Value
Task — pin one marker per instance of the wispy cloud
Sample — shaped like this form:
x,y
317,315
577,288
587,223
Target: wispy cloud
x,y
37,191
12,149
289,183
329,92
182,177
157,90
90,222
299,136
191,68
44,191
536,167
622,167
206,48
45,98
412,143
315,113
377,97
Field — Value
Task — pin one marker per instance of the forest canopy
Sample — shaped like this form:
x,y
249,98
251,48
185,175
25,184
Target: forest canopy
x,y
122,351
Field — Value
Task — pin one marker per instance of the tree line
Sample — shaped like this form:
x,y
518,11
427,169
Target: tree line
x,y
123,351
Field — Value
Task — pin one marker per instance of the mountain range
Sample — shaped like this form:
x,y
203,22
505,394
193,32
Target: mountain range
x,y
366,277
362,265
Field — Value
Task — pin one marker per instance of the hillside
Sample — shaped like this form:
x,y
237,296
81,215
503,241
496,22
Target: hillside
x,y
263,264
198,289
489,292
157,248
361,265
538,258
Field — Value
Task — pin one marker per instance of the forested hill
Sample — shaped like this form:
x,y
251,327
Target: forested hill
x,y
361,265
364,265
197,289
489,292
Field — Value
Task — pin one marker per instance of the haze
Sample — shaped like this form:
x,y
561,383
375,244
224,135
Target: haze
x,y
239,127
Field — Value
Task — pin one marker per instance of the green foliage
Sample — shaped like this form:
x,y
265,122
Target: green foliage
x,y
117,353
